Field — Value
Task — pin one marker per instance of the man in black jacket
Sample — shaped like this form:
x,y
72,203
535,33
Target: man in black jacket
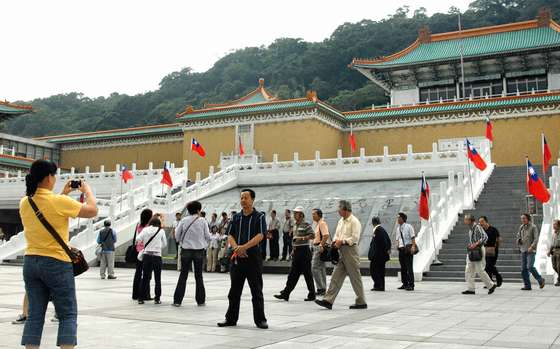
x,y
379,253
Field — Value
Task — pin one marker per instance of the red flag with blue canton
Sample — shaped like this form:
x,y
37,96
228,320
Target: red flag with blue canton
x,y
352,140
126,175
166,178
195,146
547,155
535,185
475,157
489,128
241,148
423,209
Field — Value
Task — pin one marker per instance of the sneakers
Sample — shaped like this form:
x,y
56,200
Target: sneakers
x,y
20,320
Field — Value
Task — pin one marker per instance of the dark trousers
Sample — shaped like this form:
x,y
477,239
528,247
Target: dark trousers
x,y
189,257
263,248
136,284
490,268
301,265
274,244
407,272
287,248
377,271
249,269
150,264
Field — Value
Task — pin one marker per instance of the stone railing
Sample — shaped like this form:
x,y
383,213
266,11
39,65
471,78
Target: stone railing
x,y
551,211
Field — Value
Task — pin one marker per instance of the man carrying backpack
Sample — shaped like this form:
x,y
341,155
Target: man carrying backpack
x,y
106,239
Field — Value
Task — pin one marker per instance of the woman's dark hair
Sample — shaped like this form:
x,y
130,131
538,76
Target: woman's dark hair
x,y
375,221
403,216
40,169
145,217
528,216
319,212
214,215
194,207
155,222
224,214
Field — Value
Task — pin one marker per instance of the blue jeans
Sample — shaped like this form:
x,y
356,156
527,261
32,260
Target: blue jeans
x,y
527,266
46,277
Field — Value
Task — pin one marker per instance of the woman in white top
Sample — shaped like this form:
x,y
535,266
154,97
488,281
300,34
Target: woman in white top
x,y
213,249
152,240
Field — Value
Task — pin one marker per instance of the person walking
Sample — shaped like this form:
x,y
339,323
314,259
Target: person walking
x,y
554,250
145,217
406,243
379,253
152,240
193,235
527,240
491,248
287,229
246,231
274,227
476,256
47,268
347,236
107,238
322,238
301,261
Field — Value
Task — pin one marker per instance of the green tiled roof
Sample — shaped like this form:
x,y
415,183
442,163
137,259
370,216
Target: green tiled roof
x,y
15,161
452,107
475,46
256,98
174,128
260,108
8,110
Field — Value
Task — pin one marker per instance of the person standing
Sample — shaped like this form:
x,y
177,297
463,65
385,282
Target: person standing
x,y
274,227
379,253
177,247
153,240
476,256
47,268
213,249
246,231
406,243
322,237
193,235
527,240
491,249
347,236
287,229
145,217
555,250
301,261
107,239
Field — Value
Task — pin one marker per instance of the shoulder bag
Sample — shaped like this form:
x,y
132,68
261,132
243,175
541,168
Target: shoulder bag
x,y
131,255
141,253
329,254
79,263
410,249
183,235
475,255
99,248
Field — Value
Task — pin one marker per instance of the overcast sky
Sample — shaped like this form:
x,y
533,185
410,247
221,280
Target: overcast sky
x,y
128,46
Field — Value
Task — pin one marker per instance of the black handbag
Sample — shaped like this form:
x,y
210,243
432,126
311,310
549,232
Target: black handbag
x,y
329,254
410,249
131,255
79,263
475,255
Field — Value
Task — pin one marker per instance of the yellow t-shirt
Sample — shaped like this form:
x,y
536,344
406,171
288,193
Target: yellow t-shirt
x,y
57,209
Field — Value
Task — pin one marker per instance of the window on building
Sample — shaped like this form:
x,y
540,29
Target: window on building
x,y
437,93
245,135
527,84
483,89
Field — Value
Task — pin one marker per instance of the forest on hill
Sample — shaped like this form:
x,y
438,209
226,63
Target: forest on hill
x,y
290,67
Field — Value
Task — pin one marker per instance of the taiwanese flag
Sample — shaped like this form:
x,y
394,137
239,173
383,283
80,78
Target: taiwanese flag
x,y
166,178
126,175
423,208
489,128
535,185
547,155
241,148
195,146
475,157
352,141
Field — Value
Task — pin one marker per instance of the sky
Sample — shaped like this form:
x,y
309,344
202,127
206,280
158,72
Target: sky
x,y
127,46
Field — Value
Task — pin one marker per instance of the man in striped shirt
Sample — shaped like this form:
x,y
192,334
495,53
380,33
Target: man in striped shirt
x,y
476,261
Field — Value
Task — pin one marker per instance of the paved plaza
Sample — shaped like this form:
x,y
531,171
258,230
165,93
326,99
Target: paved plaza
x,y
436,315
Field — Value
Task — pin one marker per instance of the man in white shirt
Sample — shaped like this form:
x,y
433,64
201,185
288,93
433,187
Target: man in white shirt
x,y
406,243
346,241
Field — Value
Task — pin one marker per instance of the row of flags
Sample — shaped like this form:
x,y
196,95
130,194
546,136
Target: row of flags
x,y
126,175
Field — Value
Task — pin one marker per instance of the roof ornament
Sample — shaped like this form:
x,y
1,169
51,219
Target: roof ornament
x,y
189,109
261,82
424,34
312,95
544,17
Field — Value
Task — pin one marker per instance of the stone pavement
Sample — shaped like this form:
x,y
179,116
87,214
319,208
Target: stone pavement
x,y
436,315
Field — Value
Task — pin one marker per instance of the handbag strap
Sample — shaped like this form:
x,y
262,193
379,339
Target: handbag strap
x,y
50,228
135,232
150,240
187,230
402,237
109,232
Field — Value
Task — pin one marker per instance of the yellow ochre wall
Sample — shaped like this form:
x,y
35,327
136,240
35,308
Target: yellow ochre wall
x,y
513,138
140,154
214,141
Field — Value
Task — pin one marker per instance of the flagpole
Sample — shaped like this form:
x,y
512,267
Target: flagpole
x,y
351,146
542,151
470,176
121,189
461,49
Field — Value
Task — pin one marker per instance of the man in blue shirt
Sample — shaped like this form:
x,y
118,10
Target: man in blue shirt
x,y
107,238
245,232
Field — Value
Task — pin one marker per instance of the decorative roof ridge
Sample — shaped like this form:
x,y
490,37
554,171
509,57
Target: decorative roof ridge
x,y
260,89
106,131
463,34
18,106
465,102
16,157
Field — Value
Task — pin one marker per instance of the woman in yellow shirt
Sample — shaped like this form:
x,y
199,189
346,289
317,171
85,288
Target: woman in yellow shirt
x,y
47,269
